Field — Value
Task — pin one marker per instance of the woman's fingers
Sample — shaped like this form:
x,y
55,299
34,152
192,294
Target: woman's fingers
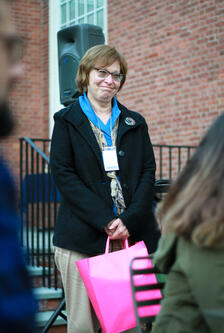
x,y
120,233
109,232
117,230
114,224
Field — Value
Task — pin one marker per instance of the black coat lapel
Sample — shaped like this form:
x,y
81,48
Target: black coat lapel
x,y
78,119
128,120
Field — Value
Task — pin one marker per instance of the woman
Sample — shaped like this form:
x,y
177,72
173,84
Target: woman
x,y
191,249
103,164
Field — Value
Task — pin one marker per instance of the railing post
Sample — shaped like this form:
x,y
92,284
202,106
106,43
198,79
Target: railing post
x,y
37,208
21,189
170,162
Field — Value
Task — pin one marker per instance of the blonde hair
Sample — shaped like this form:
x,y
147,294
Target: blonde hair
x,y
99,55
194,205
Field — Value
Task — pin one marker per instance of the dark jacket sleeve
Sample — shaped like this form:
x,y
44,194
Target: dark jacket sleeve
x,y
17,302
140,208
82,201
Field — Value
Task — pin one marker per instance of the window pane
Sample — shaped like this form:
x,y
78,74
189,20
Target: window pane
x,y
90,5
80,7
82,11
72,9
99,18
90,19
99,3
63,14
81,21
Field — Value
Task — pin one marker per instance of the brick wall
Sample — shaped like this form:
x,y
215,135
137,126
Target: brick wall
x,y
29,97
175,53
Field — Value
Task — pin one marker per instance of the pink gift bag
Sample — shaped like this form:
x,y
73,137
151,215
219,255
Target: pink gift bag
x,y
107,281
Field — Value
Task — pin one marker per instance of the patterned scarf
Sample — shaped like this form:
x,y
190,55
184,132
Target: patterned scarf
x,y
116,190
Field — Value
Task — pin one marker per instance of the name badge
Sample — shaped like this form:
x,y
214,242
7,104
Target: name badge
x,y
110,158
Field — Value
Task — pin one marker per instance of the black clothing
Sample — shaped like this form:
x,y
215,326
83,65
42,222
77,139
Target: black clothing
x,y
79,174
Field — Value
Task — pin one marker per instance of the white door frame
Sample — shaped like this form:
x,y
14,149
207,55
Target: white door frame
x,y
54,96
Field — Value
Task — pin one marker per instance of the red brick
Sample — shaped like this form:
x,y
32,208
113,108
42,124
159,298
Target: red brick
x,y
174,50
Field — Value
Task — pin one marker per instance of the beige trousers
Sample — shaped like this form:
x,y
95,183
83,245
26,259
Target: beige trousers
x,y
80,313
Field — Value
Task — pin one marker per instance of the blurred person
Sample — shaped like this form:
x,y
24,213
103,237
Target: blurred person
x,y
103,165
16,300
191,249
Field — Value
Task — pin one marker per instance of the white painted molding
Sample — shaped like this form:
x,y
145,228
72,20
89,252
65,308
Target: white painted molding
x,y
54,96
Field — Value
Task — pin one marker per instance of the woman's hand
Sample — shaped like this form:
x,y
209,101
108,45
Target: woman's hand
x,y
117,230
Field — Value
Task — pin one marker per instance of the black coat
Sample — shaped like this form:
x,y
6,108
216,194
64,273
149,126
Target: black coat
x,y
77,167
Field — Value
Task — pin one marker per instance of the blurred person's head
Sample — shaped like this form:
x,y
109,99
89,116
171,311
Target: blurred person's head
x,y
98,58
10,65
194,205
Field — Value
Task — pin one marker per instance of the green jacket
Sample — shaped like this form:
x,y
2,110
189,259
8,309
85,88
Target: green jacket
x,y
194,292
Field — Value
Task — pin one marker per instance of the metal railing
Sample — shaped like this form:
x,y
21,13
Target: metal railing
x,y
170,159
39,201
39,198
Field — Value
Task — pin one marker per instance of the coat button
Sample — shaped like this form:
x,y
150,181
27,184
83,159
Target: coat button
x,y
121,153
125,186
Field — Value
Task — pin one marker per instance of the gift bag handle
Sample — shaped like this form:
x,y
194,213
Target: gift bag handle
x,y
124,243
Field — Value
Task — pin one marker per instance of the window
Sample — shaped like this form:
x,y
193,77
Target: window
x,y
83,11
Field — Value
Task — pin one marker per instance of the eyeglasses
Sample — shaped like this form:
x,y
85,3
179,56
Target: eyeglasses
x,y
103,73
14,46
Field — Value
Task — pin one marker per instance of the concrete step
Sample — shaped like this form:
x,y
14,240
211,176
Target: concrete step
x,y
47,293
43,317
48,300
34,270
35,240
38,270
42,277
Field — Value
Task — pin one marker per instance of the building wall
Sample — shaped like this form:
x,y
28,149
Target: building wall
x,y
175,53
29,97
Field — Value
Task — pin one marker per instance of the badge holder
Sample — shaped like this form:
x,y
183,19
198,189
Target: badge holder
x,y
110,158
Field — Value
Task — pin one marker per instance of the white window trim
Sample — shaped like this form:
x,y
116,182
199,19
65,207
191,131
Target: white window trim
x,y
54,94
105,22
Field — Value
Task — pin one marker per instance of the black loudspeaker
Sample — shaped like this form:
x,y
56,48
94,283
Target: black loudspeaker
x,y
73,42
